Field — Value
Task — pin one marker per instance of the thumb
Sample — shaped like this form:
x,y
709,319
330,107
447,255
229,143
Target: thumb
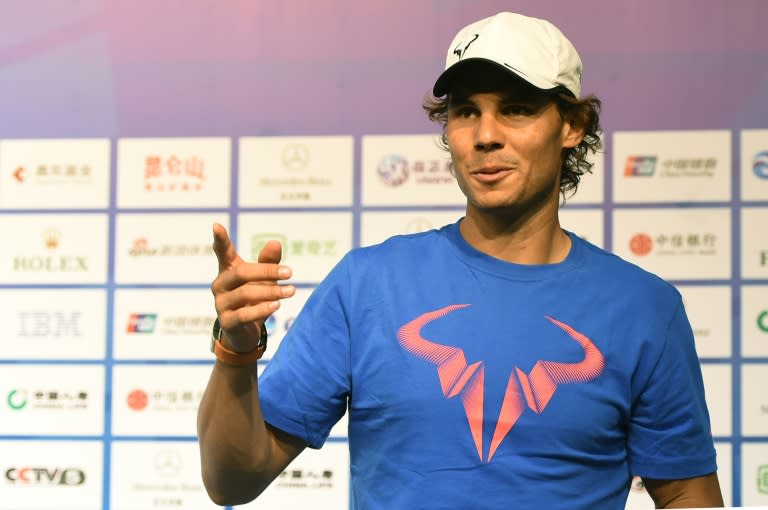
x,y
271,253
223,248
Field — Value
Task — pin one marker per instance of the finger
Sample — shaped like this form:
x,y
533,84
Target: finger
x,y
247,273
223,248
248,295
246,315
272,252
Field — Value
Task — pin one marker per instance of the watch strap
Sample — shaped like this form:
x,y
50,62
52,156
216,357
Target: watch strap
x,y
234,358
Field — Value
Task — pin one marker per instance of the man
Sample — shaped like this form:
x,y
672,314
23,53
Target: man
x,y
499,362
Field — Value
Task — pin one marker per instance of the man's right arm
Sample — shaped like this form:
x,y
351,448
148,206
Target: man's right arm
x,y
241,455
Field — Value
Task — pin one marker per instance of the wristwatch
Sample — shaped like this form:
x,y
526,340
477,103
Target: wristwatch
x,y
230,357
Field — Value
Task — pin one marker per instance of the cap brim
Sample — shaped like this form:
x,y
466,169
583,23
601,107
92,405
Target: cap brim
x,y
448,77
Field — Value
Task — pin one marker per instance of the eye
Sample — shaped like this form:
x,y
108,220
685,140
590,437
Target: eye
x,y
517,109
463,112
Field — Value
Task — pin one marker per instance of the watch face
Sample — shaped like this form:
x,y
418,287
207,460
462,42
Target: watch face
x,y
215,333
216,337
263,337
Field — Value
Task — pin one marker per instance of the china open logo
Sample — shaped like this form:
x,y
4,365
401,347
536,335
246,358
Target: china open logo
x,y
393,170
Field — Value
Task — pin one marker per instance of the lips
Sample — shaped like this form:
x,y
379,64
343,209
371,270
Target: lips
x,y
491,175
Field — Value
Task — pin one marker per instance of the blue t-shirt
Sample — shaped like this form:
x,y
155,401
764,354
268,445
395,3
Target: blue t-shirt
x,y
472,382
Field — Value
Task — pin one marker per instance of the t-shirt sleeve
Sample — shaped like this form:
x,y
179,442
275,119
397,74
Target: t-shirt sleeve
x,y
305,386
669,435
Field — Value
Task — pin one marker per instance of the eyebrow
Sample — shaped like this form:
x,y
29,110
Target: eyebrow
x,y
464,98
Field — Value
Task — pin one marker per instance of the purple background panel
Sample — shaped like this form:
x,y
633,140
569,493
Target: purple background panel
x,y
178,68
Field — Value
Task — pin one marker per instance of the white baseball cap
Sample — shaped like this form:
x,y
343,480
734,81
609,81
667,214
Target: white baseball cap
x,y
531,48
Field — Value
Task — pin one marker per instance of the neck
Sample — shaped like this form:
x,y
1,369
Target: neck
x,y
514,237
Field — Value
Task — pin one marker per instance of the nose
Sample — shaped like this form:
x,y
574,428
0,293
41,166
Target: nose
x,y
488,135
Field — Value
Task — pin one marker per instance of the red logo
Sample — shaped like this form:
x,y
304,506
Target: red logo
x,y
533,390
174,173
138,400
641,244
18,174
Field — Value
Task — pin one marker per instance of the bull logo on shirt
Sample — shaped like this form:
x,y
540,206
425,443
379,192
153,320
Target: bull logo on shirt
x,y
533,390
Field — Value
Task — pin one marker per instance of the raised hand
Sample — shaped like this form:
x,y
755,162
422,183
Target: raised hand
x,y
246,293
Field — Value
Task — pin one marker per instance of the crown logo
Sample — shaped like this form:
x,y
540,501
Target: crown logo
x,y
51,238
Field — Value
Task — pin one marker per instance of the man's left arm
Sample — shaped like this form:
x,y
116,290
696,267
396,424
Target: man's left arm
x,y
697,492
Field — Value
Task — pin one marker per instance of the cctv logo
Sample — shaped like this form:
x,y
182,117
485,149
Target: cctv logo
x,y
45,476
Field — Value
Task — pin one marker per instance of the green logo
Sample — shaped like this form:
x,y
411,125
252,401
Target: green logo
x,y
259,240
762,321
313,247
762,479
17,400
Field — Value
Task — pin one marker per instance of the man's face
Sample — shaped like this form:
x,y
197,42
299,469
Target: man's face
x,y
506,140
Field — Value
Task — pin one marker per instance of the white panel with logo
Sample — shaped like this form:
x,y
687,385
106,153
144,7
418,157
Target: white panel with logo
x,y
157,474
754,474
754,321
157,400
45,173
407,170
316,479
312,243
52,324
725,471
292,171
166,248
376,227
163,324
709,309
52,400
585,223
754,164
754,400
54,248
671,166
51,475
717,388
675,243
754,242
174,172
591,189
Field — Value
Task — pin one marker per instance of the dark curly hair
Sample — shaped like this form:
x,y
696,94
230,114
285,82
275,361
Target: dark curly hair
x,y
580,112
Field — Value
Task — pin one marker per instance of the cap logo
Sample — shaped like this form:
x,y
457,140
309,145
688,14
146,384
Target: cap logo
x,y
461,51
519,72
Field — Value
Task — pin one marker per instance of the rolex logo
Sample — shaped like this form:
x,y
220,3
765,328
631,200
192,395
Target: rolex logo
x,y
52,237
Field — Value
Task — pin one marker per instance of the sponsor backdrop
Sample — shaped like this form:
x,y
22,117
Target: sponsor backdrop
x,y
128,128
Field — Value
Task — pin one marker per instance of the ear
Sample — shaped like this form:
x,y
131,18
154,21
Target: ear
x,y
572,134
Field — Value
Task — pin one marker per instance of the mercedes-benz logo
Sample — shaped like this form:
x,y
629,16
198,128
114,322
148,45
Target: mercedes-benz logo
x,y
168,463
295,156
418,224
